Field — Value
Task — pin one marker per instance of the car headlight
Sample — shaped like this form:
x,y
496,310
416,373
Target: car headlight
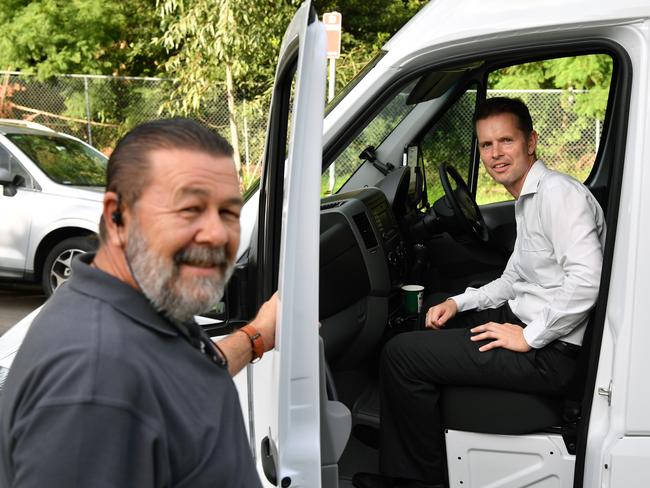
x,y
3,376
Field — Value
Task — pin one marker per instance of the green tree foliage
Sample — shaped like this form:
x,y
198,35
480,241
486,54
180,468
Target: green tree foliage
x,y
576,73
208,34
205,36
238,41
49,37
585,81
367,25
235,41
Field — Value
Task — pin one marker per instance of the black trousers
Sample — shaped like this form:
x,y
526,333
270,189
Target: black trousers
x,y
414,364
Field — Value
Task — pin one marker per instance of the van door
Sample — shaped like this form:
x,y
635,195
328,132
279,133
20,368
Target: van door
x,y
284,256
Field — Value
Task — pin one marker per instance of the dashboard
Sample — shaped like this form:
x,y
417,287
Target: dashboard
x,y
363,262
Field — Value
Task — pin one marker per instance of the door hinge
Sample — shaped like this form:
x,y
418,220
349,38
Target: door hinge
x,y
606,392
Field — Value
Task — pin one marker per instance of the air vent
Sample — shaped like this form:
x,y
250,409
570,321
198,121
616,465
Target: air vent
x,y
365,229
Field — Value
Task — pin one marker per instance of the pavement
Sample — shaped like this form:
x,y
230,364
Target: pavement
x,y
16,301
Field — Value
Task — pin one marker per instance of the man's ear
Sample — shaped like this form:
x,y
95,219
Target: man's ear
x,y
532,143
113,219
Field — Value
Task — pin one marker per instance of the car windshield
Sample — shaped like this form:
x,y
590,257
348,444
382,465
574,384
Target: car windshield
x,y
66,161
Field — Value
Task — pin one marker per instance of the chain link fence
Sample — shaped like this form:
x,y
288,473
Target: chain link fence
x,y
100,109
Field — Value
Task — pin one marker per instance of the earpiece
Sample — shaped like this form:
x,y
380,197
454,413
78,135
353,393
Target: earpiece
x,y
116,217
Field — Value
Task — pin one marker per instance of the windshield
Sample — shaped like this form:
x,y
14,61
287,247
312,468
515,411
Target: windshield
x,y
66,161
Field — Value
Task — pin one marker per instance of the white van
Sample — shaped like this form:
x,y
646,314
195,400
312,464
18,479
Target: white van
x,y
339,260
312,415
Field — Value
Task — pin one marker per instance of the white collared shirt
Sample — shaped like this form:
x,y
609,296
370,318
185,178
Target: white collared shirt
x,y
552,277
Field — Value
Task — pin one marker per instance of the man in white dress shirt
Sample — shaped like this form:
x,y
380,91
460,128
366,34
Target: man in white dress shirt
x,y
520,332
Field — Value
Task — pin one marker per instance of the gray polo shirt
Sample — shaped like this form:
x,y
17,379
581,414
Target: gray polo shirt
x,y
105,392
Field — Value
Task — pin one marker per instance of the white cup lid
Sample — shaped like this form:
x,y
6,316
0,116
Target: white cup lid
x,y
413,288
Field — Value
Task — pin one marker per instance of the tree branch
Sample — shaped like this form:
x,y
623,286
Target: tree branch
x,y
62,117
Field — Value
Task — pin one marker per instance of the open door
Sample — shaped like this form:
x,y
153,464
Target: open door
x,y
284,386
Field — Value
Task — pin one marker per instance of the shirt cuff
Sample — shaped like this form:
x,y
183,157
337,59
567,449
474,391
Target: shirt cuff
x,y
537,335
466,301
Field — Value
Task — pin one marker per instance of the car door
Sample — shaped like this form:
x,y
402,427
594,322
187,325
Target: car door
x,y
284,386
16,213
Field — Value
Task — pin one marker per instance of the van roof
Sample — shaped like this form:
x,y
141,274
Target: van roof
x,y
442,21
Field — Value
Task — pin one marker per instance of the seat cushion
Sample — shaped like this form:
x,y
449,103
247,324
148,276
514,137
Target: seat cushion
x,y
493,411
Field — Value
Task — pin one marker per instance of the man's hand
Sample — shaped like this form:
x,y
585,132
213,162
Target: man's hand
x,y
507,336
439,314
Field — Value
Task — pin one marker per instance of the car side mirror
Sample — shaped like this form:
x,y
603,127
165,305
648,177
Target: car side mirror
x,y
5,177
10,185
19,180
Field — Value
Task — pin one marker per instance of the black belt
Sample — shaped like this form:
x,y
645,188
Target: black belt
x,y
566,348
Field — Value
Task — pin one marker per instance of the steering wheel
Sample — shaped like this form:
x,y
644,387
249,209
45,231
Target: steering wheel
x,y
462,203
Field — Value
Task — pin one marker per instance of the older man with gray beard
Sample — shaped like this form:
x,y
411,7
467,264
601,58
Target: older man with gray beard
x,y
115,384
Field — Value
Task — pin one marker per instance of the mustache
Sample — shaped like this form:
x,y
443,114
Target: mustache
x,y
201,256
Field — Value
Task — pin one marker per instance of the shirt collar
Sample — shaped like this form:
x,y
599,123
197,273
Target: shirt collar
x,y
98,284
534,176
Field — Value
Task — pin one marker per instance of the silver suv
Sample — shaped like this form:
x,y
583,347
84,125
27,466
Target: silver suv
x,y
51,190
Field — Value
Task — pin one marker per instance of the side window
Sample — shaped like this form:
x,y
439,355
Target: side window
x,y
449,141
4,159
373,134
567,98
9,162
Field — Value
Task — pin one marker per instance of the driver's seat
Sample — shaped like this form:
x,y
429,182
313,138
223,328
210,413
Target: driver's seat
x,y
508,438
494,411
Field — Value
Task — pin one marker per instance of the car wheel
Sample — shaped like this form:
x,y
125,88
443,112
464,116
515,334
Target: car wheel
x,y
57,268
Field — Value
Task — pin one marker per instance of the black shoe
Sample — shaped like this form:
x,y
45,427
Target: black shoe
x,y
372,480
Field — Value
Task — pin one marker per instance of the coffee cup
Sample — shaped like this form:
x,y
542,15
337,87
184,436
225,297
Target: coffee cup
x,y
413,296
